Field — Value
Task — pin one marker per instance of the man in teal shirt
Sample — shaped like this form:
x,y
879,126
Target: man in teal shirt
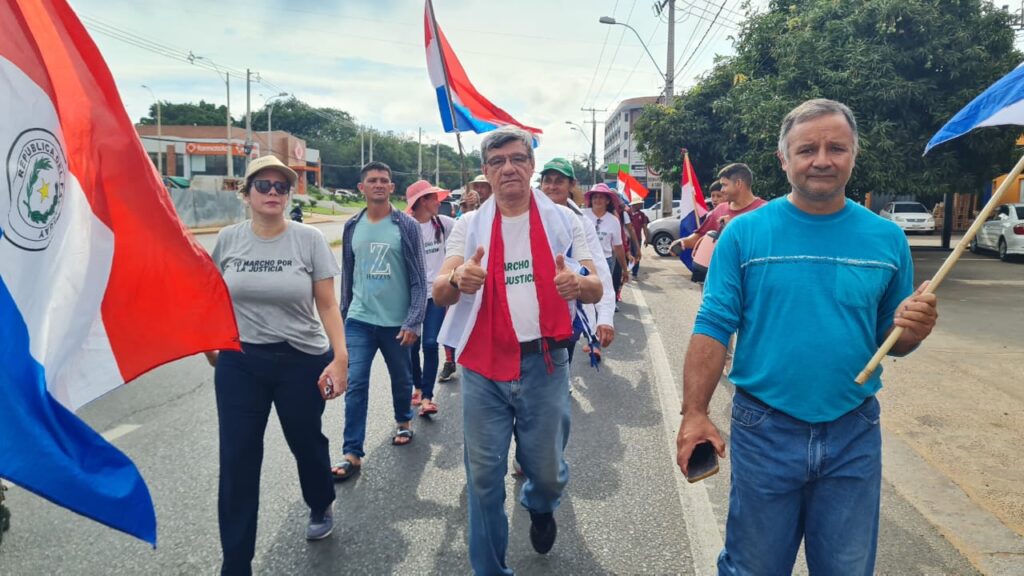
x,y
383,301
812,283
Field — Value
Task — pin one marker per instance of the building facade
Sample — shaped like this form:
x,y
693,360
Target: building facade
x,y
190,151
620,146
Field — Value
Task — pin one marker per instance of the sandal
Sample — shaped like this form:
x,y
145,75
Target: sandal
x,y
417,396
405,433
345,470
428,407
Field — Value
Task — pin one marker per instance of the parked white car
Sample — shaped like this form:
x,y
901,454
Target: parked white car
x,y
910,216
1003,232
654,212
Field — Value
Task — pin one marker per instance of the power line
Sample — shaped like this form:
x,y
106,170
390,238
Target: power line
x,y
635,66
706,32
615,55
600,58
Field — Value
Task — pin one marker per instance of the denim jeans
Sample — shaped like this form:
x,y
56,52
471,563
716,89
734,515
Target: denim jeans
x,y
793,480
363,341
534,408
247,384
424,379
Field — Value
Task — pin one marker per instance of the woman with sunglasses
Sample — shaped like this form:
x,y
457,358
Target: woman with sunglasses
x,y
276,271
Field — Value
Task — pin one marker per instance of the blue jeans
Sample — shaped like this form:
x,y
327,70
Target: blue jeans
x,y
425,379
534,408
793,480
363,341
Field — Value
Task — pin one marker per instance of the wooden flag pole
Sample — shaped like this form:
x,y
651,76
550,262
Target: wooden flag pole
x,y
940,275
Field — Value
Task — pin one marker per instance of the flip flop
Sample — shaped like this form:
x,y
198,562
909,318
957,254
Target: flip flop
x,y
417,397
428,407
402,433
349,468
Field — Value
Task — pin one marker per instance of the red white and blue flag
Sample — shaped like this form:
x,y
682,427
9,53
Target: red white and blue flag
x,y
692,207
630,187
99,281
455,93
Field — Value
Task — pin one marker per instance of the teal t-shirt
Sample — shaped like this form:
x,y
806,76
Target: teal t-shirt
x,y
380,282
811,298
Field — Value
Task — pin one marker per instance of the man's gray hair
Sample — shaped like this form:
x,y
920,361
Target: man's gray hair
x,y
502,136
810,110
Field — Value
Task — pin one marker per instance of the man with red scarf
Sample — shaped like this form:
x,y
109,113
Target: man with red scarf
x,y
510,279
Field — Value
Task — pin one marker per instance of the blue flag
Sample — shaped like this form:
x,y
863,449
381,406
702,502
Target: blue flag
x,y
1002,103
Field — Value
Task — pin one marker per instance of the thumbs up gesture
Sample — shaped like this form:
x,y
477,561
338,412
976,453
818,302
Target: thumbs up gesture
x,y
566,281
470,275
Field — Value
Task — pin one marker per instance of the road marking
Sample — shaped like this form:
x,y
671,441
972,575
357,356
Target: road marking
x,y
118,431
701,526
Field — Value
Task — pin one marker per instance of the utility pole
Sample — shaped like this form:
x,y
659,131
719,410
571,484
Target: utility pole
x,y
362,147
593,142
159,134
419,159
666,185
231,164
248,116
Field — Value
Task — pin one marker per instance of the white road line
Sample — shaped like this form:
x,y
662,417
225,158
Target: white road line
x,y
701,526
118,431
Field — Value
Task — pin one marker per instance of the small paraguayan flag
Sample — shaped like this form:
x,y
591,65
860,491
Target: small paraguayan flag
x,y
1002,103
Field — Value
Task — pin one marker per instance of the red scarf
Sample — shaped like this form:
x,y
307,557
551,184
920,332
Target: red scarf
x,y
493,347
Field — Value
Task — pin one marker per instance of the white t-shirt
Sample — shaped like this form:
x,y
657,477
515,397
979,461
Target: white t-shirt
x,y
608,230
434,249
519,286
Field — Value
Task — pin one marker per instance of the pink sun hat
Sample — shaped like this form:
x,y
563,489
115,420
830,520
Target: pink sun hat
x,y
421,188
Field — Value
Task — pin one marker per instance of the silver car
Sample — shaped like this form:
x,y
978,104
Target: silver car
x,y
1003,232
664,231
910,216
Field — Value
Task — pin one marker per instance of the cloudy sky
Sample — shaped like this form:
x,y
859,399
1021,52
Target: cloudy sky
x,y
540,60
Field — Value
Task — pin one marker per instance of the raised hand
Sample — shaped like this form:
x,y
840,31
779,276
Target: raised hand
x,y
471,275
566,281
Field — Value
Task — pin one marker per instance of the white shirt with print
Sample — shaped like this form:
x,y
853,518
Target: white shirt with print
x,y
608,230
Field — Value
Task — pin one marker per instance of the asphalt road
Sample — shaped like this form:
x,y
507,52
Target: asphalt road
x,y
625,512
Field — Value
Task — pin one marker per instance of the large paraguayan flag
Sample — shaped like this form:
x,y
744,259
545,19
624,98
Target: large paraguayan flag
x,y
692,207
99,281
1002,103
473,112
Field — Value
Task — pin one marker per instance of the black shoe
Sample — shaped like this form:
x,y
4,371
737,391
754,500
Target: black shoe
x,y
542,531
447,371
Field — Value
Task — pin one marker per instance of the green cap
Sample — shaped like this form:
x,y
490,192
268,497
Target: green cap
x,y
560,165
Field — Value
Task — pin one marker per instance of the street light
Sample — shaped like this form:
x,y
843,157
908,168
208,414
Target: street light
x,y
269,105
593,150
593,147
159,134
668,75
612,21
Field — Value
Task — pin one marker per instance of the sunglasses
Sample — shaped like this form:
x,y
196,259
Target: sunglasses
x,y
264,187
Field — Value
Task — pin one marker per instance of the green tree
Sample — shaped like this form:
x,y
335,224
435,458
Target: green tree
x,y
188,114
903,66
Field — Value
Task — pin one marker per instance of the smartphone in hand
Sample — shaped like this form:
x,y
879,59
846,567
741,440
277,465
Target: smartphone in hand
x,y
703,462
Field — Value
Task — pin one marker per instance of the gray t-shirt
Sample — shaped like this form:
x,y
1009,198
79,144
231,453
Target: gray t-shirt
x,y
271,283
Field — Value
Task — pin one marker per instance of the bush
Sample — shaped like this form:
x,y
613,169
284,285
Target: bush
x,y
312,202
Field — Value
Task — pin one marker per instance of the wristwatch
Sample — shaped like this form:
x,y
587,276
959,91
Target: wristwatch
x,y
451,279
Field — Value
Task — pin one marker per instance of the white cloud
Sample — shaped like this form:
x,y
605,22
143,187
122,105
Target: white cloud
x,y
537,59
